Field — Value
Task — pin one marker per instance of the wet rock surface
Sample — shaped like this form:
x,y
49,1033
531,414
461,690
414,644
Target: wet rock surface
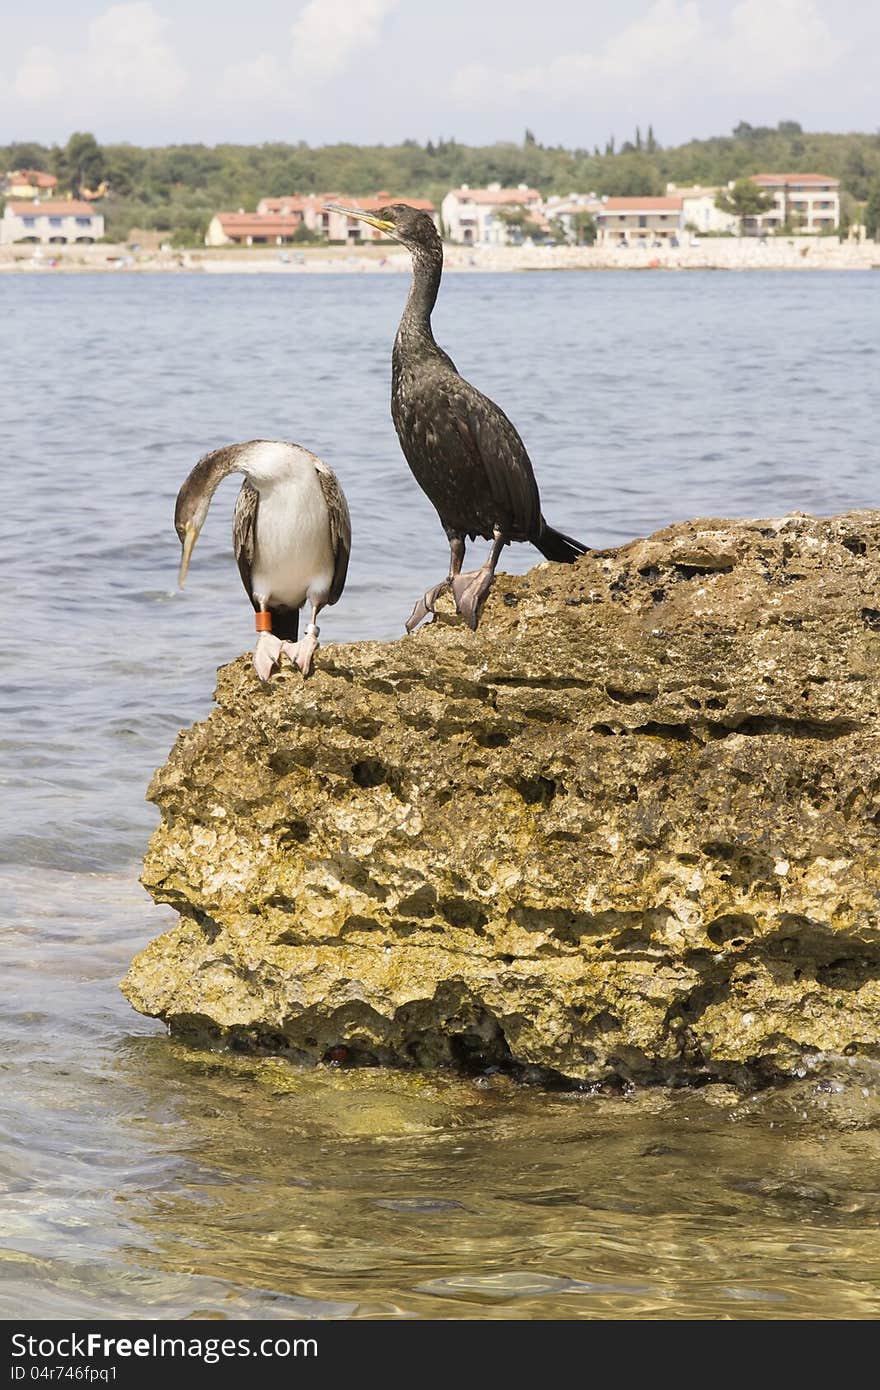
x,y
627,831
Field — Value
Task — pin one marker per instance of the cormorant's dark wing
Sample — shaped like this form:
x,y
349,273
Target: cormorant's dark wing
x,y
340,526
244,533
495,448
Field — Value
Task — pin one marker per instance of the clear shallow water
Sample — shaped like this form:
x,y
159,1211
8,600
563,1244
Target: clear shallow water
x,y
143,1178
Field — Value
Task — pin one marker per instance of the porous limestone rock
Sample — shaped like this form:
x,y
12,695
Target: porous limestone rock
x,y
629,829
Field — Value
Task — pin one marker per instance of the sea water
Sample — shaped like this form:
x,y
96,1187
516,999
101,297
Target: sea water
x,y
140,1177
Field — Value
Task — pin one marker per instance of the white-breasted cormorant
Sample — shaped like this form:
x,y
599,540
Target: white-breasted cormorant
x,y
291,533
461,447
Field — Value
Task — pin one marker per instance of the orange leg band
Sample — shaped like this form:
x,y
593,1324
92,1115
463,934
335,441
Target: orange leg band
x,y
263,622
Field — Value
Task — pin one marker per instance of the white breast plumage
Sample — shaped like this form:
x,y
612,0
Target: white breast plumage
x,y
293,557
291,534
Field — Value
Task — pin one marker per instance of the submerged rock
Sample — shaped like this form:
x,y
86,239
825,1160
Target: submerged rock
x,y
629,829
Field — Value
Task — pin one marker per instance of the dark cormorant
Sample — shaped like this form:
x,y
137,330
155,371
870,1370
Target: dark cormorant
x,y
291,533
462,449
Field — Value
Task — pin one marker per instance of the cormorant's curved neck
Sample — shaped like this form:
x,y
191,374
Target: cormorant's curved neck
x,y
415,325
194,497
213,468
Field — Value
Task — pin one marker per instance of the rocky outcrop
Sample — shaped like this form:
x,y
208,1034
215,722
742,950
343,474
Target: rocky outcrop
x,y
628,829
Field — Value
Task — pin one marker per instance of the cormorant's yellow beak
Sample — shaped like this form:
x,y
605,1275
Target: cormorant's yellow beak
x,y
383,226
189,540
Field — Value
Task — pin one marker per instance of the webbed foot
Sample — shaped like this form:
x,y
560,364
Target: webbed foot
x,y
469,591
268,652
301,655
425,604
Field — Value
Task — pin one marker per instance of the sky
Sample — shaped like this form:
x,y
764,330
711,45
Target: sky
x,y
379,71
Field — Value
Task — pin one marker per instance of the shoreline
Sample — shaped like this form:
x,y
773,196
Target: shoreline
x,y
722,253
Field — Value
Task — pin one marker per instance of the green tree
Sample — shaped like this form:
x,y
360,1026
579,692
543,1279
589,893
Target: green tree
x,y
125,169
630,176
181,186
857,172
745,199
26,154
557,231
872,214
305,236
517,219
583,224
81,163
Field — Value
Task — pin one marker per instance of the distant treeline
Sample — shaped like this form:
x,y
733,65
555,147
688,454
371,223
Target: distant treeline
x,y
177,188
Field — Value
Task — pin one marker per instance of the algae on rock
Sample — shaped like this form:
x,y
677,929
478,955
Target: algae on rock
x,y
628,829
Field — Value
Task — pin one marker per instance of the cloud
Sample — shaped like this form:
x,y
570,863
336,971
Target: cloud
x,y
126,55
40,76
674,43
324,40
773,39
329,33
665,38
128,52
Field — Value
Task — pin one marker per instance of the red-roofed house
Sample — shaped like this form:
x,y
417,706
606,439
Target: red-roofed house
x,y
348,229
639,221
470,215
295,203
809,202
277,220
306,208
28,183
59,222
253,228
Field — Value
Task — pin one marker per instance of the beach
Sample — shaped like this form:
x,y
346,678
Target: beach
x,y
710,253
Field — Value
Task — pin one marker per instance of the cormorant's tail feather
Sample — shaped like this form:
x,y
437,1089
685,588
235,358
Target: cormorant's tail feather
x,y
555,546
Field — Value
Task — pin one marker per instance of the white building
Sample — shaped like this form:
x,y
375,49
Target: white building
x,y
807,202
470,215
59,222
699,210
565,208
639,221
